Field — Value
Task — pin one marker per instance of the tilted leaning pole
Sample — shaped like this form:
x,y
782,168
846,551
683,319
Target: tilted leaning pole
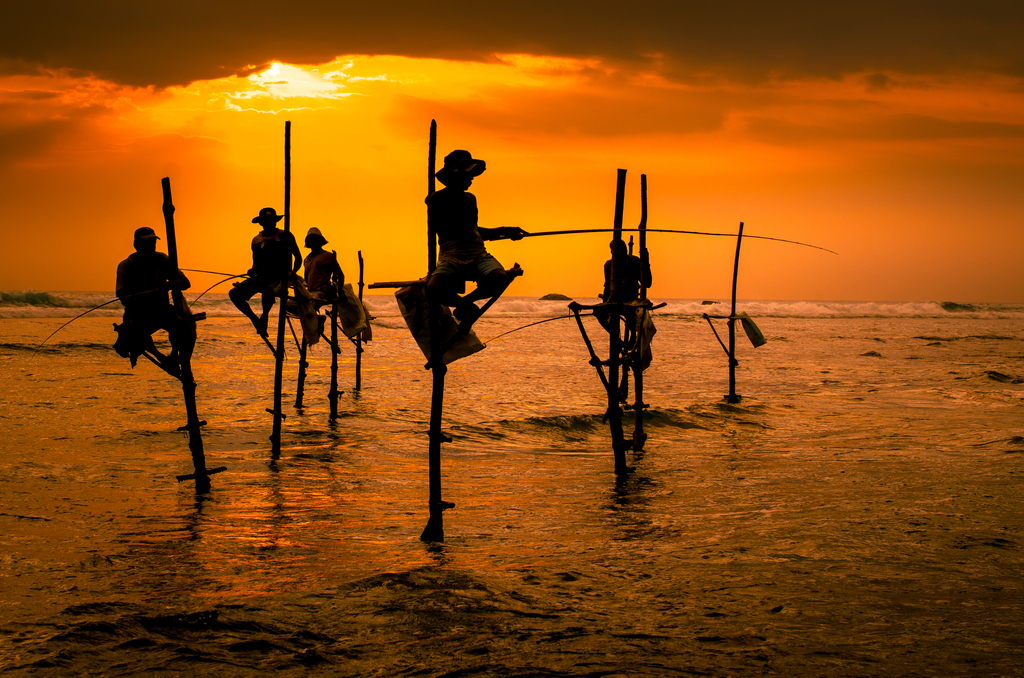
x,y
193,425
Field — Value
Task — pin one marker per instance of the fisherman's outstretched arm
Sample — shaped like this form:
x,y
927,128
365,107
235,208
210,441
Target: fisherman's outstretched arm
x,y
502,233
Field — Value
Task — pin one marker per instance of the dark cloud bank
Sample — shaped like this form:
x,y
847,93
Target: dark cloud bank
x,y
162,43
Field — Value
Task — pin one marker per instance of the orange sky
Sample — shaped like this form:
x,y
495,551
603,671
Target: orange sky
x,y
911,172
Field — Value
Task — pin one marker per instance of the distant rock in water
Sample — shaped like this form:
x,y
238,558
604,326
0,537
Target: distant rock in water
x,y
555,297
872,354
708,303
953,307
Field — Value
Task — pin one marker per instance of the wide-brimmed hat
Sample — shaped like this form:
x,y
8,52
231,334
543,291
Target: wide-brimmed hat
x,y
462,162
146,233
267,214
315,235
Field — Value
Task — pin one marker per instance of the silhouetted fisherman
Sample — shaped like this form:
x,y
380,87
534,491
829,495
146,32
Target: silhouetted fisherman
x,y
275,257
324,277
143,281
632,271
452,215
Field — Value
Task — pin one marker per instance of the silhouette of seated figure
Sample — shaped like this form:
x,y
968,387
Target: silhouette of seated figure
x,y
143,282
452,214
324,280
323,274
275,257
631,272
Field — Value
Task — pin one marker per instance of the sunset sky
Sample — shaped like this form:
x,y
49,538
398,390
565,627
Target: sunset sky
x,y
890,132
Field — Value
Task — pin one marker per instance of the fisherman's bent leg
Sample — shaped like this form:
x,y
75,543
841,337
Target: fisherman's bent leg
x,y
491,278
493,283
240,295
441,285
182,335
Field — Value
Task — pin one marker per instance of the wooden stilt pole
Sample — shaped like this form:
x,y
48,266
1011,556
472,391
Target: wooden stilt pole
x,y
359,337
614,413
332,395
431,165
639,436
300,383
434,531
186,344
275,436
732,397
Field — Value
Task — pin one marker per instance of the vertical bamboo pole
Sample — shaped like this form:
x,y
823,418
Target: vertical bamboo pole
x,y
639,436
300,384
732,397
431,165
275,436
332,395
188,385
434,530
359,337
614,413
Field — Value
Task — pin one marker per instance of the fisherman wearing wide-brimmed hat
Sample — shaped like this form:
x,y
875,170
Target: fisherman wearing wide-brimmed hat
x,y
143,280
452,214
324,276
275,257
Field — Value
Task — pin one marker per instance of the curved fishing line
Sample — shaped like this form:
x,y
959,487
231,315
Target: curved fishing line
x,y
219,282
196,270
539,322
668,230
127,296
106,303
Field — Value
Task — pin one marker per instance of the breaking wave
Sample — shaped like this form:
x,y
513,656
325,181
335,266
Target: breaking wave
x,y
31,304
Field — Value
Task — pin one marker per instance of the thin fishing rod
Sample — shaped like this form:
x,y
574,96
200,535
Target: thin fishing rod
x,y
546,320
667,230
196,270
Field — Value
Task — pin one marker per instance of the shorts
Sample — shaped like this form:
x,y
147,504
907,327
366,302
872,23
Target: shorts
x,y
252,285
476,270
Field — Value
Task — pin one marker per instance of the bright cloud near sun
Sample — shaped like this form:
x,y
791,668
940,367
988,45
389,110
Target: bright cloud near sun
x,y
283,81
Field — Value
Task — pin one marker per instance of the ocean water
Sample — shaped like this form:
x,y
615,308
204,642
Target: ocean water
x,y
858,513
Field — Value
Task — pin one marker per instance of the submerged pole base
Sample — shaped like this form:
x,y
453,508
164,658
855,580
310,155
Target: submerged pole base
x,y
197,476
639,438
732,398
434,531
